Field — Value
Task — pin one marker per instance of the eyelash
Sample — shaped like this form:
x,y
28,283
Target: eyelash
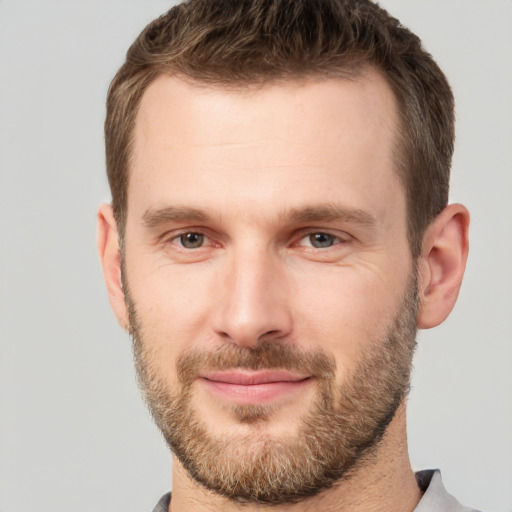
x,y
176,239
309,236
336,240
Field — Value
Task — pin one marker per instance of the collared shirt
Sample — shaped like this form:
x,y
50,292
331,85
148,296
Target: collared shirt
x,y
435,498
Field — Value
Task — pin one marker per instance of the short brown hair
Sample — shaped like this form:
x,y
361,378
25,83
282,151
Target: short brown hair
x,y
233,43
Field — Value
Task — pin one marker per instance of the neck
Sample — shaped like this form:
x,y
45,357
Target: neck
x,y
386,482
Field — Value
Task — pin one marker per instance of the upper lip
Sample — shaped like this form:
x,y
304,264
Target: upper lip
x,y
252,378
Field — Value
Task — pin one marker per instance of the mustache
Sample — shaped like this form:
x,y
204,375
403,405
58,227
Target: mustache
x,y
266,356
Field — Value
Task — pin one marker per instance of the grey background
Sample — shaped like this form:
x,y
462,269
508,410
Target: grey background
x,y
73,433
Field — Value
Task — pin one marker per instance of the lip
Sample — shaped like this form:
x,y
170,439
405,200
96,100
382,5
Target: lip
x,y
253,387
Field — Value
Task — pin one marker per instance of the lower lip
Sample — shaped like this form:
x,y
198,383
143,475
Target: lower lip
x,y
254,393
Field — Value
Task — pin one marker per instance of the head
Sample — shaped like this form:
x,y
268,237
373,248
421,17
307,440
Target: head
x,y
279,174
239,44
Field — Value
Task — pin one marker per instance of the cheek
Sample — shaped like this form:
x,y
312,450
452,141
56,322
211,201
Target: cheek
x,y
344,311
172,308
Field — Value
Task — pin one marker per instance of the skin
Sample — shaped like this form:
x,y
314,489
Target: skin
x,y
253,171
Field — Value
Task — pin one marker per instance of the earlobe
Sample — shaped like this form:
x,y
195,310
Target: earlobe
x,y
441,265
108,249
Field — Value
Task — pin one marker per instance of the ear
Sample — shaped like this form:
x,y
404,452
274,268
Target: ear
x,y
441,265
108,249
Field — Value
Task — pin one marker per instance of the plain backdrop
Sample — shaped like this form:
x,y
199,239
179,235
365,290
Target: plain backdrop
x,y
74,433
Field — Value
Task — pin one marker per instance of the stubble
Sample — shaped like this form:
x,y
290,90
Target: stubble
x,y
339,434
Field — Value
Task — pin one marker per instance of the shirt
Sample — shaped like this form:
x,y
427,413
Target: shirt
x,y
435,498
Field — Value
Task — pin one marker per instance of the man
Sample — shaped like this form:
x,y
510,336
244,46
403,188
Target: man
x,y
279,230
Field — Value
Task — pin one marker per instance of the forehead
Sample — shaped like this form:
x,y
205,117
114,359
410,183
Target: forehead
x,y
198,143
366,99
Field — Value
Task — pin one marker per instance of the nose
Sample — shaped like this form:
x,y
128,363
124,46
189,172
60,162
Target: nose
x,y
253,299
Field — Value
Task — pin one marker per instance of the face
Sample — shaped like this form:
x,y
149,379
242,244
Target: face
x,y
269,280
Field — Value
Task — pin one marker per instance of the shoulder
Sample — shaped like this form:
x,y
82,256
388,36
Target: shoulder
x,y
163,504
435,497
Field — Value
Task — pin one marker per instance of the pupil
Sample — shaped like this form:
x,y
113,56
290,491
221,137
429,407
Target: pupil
x,y
321,240
191,240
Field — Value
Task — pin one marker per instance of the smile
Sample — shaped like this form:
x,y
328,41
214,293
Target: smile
x,y
253,387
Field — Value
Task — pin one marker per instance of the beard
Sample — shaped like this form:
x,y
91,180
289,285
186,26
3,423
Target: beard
x,y
339,435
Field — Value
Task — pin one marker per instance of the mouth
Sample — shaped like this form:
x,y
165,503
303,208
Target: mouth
x,y
253,387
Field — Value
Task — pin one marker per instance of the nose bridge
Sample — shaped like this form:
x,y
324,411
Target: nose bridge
x,y
253,302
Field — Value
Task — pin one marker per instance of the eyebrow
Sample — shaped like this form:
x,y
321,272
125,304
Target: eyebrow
x,y
332,213
325,213
155,217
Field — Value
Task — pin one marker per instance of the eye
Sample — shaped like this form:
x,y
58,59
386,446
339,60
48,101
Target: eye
x,y
319,240
191,240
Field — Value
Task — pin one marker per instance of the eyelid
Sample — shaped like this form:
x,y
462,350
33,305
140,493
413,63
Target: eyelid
x,y
179,240
175,237
171,237
341,237
211,238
